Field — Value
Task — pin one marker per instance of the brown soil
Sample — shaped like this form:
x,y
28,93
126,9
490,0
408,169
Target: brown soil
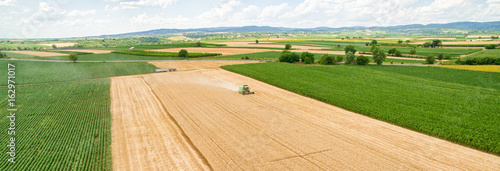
x,y
39,53
272,129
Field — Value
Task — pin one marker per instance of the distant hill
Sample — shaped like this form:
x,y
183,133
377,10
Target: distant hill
x,y
457,25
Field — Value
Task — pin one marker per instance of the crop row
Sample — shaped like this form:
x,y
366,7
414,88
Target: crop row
x,y
61,126
456,105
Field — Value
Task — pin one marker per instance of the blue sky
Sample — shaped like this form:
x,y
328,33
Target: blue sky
x,y
75,18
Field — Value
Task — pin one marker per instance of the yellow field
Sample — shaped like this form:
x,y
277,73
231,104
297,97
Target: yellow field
x,y
489,68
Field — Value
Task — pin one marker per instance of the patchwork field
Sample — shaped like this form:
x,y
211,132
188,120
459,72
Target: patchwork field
x,y
89,51
224,51
39,53
271,129
190,65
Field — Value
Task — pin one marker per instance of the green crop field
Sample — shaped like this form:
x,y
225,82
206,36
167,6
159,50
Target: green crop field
x,y
489,52
97,57
30,72
456,105
59,126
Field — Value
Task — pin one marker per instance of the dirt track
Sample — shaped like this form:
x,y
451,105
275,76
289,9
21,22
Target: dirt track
x,y
272,129
39,53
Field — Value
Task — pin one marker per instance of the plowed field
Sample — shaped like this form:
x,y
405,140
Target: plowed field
x,y
272,129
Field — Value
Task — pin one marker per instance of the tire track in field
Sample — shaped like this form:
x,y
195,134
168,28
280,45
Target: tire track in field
x,y
144,136
275,129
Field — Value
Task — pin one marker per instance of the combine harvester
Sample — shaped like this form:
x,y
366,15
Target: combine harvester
x,y
244,89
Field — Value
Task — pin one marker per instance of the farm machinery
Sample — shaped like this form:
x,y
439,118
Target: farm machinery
x,y
244,89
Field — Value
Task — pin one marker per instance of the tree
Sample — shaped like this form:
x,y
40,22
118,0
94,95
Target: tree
x,y
256,41
288,46
413,51
183,53
54,46
307,58
407,41
362,60
400,41
339,58
374,42
427,44
326,59
350,48
349,58
398,53
373,47
440,56
198,44
290,57
3,55
430,59
436,43
378,56
391,51
73,56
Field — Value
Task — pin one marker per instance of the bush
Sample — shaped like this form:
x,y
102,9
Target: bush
x,y
492,46
488,60
307,58
447,56
288,46
430,59
3,55
183,53
73,57
198,44
440,56
362,60
326,59
339,58
391,51
398,53
349,58
290,57
256,41
350,48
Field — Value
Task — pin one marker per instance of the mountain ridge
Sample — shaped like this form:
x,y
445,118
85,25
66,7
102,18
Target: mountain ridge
x,y
466,25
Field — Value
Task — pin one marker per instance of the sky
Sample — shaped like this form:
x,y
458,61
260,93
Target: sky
x,y
78,18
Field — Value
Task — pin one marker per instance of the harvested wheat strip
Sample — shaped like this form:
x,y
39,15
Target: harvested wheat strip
x,y
144,136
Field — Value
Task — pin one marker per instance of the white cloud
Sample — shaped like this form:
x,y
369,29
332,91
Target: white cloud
x,y
157,20
274,10
221,11
8,3
46,13
144,3
81,13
